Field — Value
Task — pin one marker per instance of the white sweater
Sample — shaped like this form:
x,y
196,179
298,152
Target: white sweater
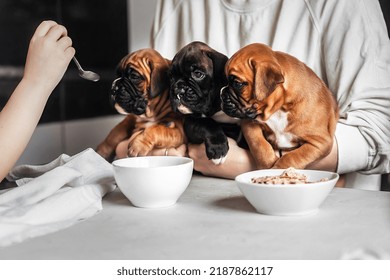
x,y
344,41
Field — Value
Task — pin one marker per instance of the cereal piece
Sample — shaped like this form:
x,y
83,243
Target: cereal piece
x,y
289,176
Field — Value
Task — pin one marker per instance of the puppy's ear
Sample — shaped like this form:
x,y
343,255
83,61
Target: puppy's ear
x,y
267,76
159,78
219,61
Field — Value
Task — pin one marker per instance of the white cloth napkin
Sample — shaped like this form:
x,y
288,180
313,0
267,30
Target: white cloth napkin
x,y
53,196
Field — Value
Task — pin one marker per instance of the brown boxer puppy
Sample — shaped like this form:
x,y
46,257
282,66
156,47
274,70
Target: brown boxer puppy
x,y
141,92
286,106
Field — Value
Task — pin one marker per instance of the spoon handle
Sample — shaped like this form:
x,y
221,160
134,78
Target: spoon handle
x,y
77,63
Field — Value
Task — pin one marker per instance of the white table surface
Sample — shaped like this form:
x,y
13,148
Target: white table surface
x,y
212,220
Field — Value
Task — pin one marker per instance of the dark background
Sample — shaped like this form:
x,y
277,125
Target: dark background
x,y
99,33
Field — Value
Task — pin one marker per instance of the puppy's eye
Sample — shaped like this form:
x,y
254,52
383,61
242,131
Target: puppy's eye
x,y
133,75
197,75
236,84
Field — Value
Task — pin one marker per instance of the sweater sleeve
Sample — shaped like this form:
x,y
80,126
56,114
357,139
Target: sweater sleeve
x,y
356,55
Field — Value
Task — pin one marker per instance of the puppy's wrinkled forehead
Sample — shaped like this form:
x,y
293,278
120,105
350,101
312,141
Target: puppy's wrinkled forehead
x,y
142,61
191,57
239,68
244,62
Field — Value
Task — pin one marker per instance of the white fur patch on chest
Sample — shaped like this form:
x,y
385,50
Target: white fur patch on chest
x,y
278,123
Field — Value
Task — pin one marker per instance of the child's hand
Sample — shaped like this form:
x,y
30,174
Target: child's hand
x,y
49,55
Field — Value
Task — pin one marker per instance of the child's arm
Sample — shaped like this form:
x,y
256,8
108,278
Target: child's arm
x,y
48,57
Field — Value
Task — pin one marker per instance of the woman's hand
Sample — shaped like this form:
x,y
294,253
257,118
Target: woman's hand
x,y
237,161
49,55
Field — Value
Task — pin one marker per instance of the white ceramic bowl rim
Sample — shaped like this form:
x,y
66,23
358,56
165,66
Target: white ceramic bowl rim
x,y
155,162
246,178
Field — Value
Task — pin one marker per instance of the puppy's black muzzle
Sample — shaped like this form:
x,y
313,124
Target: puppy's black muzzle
x,y
125,94
233,107
186,93
230,105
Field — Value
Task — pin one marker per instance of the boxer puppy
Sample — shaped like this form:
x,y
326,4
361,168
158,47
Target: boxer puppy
x,y
286,106
197,76
141,92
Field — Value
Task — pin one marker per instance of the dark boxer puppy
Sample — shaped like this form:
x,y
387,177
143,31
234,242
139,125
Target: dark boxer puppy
x,y
141,92
285,104
197,76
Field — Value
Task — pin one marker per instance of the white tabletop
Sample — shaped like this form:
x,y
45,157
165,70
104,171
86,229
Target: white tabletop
x,y
212,220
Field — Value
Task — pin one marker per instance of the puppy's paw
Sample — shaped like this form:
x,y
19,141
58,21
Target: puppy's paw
x,y
139,148
217,150
218,161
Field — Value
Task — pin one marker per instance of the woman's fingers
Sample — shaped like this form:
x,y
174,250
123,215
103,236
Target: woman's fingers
x,y
56,32
44,28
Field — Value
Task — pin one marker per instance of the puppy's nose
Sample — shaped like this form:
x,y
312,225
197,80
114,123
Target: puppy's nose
x,y
223,89
114,87
225,97
179,92
114,90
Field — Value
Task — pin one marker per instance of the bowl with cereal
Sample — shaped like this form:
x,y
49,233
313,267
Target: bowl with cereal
x,y
286,192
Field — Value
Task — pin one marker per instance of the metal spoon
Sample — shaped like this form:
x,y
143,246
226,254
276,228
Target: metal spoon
x,y
88,75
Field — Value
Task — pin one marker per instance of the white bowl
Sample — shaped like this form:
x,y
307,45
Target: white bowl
x,y
286,200
153,181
